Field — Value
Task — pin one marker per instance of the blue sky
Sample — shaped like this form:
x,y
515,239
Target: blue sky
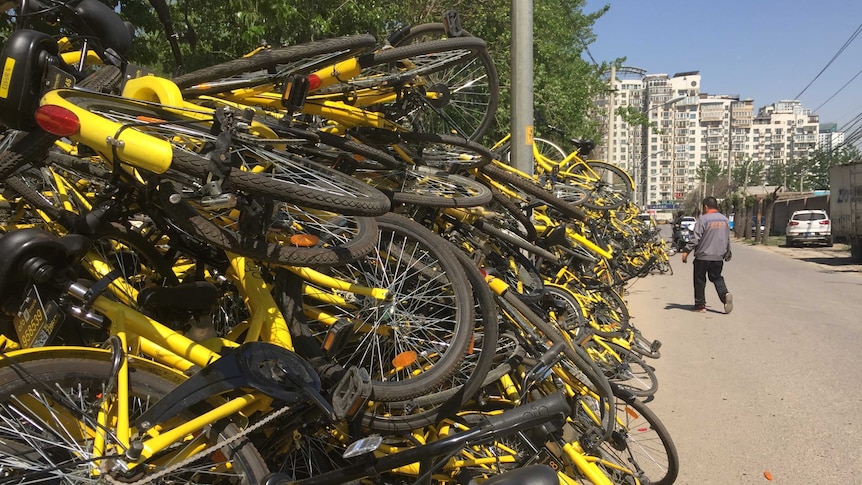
x,y
767,50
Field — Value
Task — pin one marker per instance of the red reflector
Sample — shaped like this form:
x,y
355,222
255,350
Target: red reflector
x,y
57,120
793,223
313,82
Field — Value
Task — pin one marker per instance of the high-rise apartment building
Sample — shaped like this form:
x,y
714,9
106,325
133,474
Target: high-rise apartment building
x,y
688,130
829,138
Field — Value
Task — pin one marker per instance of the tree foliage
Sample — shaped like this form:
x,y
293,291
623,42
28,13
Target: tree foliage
x,y
217,31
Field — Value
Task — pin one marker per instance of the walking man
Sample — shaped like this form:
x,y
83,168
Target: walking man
x,y
711,245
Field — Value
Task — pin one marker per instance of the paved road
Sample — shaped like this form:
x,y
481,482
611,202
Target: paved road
x,y
774,386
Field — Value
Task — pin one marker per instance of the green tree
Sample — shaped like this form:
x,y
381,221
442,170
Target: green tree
x,y
747,172
821,160
211,32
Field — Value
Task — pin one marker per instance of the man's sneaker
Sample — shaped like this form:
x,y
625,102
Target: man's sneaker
x,y
728,303
698,309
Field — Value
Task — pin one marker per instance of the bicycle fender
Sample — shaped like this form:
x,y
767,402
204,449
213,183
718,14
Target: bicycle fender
x,y
110,138
270,369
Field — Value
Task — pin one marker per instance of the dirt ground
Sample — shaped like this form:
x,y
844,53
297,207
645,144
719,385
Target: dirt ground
x,y
836,259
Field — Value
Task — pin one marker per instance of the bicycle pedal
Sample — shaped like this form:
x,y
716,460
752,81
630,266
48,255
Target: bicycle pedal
x,y
295,91
337,336
351,393
655,345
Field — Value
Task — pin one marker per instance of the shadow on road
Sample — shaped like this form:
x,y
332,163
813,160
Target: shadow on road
x,y
831,261
687,307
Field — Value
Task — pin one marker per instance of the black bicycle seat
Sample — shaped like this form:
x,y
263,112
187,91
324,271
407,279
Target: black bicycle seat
x,y
584,146
527,475
195,297
21,250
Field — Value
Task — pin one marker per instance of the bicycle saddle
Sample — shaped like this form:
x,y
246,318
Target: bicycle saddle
x,y
584,146
195,297
527,475
34,256
28,52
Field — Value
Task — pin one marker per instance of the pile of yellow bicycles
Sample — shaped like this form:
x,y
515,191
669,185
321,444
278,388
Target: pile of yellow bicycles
x,y
301,267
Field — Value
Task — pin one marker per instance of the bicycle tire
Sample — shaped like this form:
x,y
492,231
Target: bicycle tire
x,y
427,322
612,191
427,187
192,222
608,314
285,177
458,69
435,31
562,309
629,372
519,222
646,442
446,152
53,376
576,355
532,189
472,373
341,47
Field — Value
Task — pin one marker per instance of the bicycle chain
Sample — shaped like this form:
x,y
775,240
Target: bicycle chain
x,y
197,456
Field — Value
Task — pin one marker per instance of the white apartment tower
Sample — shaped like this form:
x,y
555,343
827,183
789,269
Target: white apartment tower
x,y
829,138
783,133
689,129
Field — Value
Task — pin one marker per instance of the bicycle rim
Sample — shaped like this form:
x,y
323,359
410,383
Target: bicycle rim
x,y
49,407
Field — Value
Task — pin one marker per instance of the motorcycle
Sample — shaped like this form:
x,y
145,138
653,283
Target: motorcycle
x,y
681,237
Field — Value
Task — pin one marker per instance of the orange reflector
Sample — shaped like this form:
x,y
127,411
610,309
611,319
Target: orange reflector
x,y
404,359
472,347
304,240
149,119
631,412
218,457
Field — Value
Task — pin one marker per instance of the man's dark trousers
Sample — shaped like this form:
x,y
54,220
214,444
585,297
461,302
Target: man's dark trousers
x,y
702,271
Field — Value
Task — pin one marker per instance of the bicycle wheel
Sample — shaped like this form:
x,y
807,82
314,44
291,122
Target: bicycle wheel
x,y
532,190
414,339
562,309
549,149
612,189
623,367
444,85
445,152
473,88
486,350
427,187
258,170
642,442
302,58
49,411
295,235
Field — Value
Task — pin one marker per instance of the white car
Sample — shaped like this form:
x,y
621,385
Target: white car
x,y
687,222
809,226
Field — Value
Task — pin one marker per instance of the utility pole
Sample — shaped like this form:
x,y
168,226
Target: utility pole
x,y
522,85
730,147
612,92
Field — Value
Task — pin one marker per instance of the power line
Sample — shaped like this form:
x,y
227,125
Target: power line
x,y
841,50
839,90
